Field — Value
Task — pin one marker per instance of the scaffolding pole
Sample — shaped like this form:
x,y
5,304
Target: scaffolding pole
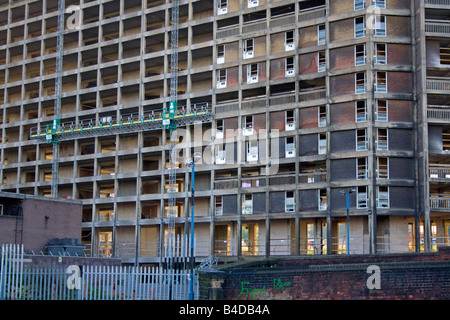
x,y
172,113
58,90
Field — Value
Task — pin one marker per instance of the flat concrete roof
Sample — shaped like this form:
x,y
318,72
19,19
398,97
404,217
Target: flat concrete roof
x,y
21,196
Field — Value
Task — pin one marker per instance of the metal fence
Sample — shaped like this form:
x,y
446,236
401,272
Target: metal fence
x,y
438,84
19,281
439,201
437,27
11,271
438,113
97,283
438,2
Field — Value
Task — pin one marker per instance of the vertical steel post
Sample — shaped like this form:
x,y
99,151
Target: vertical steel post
x,y
191,287
58,91
347,196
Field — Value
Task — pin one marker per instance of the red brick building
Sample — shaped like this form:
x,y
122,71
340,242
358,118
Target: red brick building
x,y
34,220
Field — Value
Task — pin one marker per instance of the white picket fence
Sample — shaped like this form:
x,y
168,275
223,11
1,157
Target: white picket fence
x,y
19,281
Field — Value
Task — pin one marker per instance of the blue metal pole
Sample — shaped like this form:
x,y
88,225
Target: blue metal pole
x,y
191,288
347,196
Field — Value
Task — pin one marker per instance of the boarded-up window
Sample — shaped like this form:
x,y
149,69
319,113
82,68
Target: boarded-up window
x,y
342,169
229,205
277,201
309,200
308,145
401,168
402,197
342,141
400,139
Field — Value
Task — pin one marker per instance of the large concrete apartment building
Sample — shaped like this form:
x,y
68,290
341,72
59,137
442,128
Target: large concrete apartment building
x,y
311,99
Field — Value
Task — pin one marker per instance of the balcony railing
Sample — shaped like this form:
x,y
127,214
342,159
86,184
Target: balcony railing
x,y
313,13
438,2
253,182
282,20
437,27
228,31
438,113
253,26
439,172
281,99
438,84
440,201
308,95
282,180
227,107
226,184
281,245
313,177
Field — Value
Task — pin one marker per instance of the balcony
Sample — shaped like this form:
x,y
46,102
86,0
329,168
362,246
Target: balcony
x,y
314,94
439,173
438,114
282,19
226,183
438,85
440,202
314,13
282,179
314,176
437,28
437,3
281,99
254,25
227,31
253,182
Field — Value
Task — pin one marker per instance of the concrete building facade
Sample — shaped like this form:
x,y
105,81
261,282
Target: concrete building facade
x,y
311,99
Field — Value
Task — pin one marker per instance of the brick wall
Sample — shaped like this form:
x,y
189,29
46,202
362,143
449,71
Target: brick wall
x,y
64,221
342,85
402,276
400,110
40,220
8,228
